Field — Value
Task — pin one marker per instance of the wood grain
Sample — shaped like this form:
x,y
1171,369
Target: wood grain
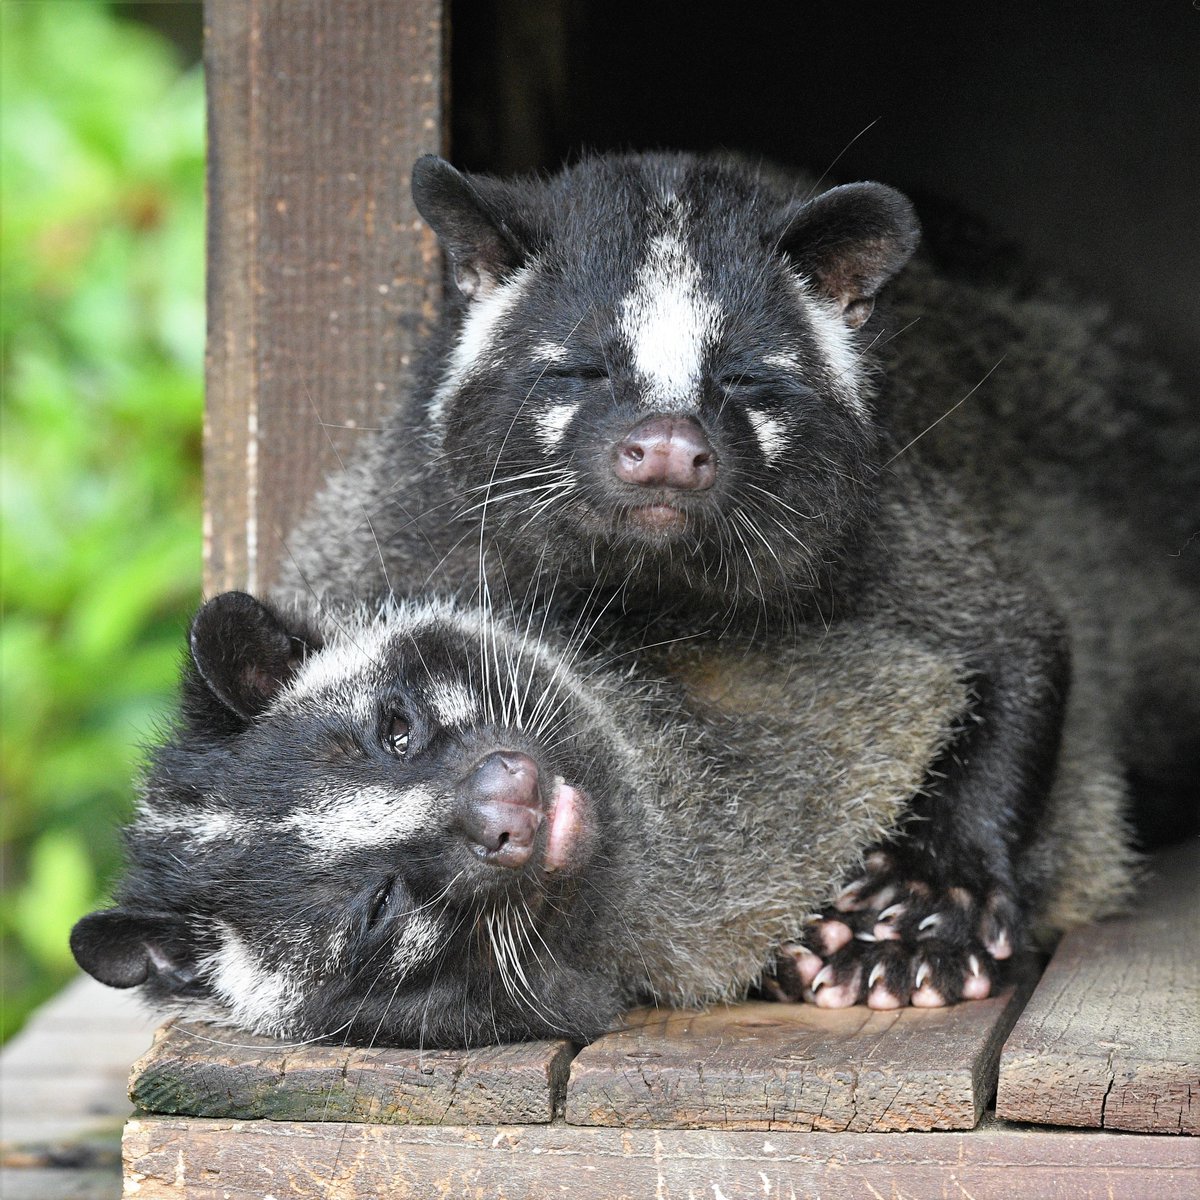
x,y
222,1160
793,1066
1111,1036
321,277
209,1071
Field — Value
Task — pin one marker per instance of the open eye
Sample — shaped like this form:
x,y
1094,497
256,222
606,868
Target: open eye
x,y
395,737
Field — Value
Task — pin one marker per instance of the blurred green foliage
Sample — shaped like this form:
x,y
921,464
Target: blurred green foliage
x,y
102,320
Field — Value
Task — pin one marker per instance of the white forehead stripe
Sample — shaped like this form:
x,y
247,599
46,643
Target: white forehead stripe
x,y
771,436
452,703
552,422
836,344
476,345
548,352
339,822
341,675
784,361
257,997
669,322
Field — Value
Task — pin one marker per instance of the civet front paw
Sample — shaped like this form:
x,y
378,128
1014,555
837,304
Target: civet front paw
x,y
892,940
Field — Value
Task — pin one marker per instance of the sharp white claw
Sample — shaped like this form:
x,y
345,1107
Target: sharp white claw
x,y
929,921
864,936
1000,946
923,973
822,977
876,973
973,963
893,910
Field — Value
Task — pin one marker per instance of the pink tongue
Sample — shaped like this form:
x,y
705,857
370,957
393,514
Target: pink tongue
x,y
566,822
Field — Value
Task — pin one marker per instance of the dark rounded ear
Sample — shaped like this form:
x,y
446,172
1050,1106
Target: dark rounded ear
x,y
850,241
124,949
243,651
481,243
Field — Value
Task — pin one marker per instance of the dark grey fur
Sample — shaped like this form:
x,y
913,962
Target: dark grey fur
x,y
290,875
982,465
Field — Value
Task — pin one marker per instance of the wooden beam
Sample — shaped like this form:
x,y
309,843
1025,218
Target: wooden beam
x,y
321,278
221,1160
1111,1036
206,1071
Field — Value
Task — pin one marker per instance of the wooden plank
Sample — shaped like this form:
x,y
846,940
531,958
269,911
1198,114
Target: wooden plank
x,y
60,1183
794,1066
321,278
221,1160
65,1074
210,1071
1111,1036
63,1094
64,1053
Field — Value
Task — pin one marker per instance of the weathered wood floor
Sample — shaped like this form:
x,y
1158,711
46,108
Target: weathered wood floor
x,y
64,1095
756,1100
1111,1037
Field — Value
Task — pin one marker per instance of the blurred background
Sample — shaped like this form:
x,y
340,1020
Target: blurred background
x,y
102,327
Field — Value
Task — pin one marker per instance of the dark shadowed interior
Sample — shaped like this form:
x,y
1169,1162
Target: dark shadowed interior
x,y
1071,128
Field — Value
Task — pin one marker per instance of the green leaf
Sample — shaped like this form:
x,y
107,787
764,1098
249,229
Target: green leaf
x,y
60,888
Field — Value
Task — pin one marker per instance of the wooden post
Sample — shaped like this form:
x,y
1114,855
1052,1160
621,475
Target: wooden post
x,y
321,277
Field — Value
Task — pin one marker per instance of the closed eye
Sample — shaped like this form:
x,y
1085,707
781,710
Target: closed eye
x,y
788,388
380,902
584,372
731,381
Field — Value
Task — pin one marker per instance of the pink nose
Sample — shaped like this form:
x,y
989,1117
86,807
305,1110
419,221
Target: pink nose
x,y
666,452
503,809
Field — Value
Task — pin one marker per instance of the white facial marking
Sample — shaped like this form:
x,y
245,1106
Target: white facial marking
x,y
337,946
783,361
417,943
342,675
836,344
668,322
548,353
452,703
771,435
338,822
477,340
552,423
201,824
258,998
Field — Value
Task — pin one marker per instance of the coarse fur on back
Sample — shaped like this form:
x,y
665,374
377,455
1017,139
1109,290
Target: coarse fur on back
x,y
316,850
711,400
